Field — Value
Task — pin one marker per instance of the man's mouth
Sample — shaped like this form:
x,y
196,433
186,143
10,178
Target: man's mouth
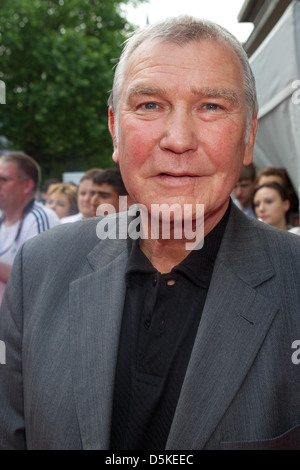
x,y
177,178
177,175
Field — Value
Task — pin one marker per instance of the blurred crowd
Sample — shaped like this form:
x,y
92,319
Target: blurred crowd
x,y
26,211
71,202
268,195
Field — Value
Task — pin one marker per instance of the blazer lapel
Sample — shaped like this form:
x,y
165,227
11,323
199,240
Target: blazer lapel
x,y
234,323
96,306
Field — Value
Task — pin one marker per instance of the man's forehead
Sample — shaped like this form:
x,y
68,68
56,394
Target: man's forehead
x,y
8,167
150,62
150,47
102,188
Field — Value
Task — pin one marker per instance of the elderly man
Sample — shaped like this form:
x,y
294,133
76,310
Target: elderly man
x,y
141,342
22,216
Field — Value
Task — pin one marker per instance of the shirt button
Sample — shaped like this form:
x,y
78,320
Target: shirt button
x,y
154,281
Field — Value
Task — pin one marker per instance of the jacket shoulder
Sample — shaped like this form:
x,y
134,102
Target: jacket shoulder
x,y
63,241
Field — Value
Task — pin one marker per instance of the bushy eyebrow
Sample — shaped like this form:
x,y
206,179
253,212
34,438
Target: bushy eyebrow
x,y
227,94
144,90
99,192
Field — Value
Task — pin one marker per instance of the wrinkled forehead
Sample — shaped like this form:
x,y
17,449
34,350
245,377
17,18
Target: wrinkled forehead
x,y
153,53
208,64
150,47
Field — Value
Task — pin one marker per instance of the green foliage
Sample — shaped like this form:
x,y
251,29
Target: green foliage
x,y
56,60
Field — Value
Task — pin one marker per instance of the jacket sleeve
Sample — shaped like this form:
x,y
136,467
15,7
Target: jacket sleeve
x,y
12,429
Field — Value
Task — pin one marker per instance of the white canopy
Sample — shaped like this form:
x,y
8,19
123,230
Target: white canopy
x,y
276,67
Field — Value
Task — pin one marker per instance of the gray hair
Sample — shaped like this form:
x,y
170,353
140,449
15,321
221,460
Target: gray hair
x,y
183,30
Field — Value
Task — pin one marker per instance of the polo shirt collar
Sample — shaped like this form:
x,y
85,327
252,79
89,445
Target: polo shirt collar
x,y
197,266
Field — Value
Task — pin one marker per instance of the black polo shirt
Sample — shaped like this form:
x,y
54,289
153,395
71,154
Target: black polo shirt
x,y
160,321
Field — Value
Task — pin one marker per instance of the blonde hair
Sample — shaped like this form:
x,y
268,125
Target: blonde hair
x,y
69,190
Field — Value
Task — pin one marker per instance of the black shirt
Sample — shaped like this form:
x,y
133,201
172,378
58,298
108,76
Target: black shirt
x,y
160,321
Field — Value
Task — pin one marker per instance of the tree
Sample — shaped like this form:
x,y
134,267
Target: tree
x,y
56,60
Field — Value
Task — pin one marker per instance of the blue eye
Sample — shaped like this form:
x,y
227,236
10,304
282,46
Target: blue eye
x,y
150,106
211,106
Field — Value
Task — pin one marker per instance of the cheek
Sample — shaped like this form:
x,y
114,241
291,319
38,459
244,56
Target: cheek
x,y
136,155
281,209
83,200
225,146
135,146
137,137
276,210
65,207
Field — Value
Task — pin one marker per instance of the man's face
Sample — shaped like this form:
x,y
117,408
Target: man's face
x,y
243,191
182,125
12,187
104,194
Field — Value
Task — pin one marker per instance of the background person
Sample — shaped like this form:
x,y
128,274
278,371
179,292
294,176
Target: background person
x,y
271,204
84,197
46,186
280,176
244,190
62,199
107,187
22,216
143,344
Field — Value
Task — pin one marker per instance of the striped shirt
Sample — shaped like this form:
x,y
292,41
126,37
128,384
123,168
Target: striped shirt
x,y
38,219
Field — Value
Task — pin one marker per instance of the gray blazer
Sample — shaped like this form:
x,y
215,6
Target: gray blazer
x,y
60,321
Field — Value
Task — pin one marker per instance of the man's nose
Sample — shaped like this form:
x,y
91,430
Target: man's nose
x,y
179,134
96,202
239,191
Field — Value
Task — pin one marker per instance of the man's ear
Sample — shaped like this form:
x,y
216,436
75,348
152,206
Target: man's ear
x,y
248,156
112,130
28,186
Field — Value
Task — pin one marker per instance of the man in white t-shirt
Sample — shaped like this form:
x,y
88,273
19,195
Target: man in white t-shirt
x,y
21,216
